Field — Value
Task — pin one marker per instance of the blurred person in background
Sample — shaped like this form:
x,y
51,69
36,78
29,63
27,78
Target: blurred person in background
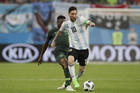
x,y
132,37
24,1
124,2
112,2
47,19
7,1
19,1
117,37
2,1
136,2
44,17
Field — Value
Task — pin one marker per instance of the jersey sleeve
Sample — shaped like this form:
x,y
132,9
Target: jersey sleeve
x,y
83,20
63,26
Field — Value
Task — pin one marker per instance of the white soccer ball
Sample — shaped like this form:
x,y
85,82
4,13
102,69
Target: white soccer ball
x,y
88,86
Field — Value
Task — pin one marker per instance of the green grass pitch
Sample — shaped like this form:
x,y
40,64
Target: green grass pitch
x,y
108,78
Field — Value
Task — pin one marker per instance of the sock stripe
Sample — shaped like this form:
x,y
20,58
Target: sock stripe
x,y
71,64
67,78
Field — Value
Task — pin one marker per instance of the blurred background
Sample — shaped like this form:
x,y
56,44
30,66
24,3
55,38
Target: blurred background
x,y
24,25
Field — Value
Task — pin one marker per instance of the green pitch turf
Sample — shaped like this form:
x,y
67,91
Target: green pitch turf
x,y
29,78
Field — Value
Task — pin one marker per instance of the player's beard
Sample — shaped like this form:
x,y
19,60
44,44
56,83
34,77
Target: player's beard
x,y
73,19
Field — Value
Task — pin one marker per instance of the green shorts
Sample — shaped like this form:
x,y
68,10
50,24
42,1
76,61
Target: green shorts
x,y
59,54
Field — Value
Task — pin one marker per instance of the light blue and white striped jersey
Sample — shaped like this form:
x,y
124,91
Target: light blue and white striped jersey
x,y
77,32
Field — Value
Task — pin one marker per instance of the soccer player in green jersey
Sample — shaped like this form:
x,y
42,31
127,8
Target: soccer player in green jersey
x,y
61,52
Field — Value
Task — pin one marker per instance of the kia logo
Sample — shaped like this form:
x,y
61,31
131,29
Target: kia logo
x,y
20,53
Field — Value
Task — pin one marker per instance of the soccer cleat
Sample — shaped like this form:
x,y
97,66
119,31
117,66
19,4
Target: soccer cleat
x,y
62,87
76,84
69,88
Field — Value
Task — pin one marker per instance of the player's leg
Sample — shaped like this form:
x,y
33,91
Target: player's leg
x,y
63,62
71,67
82,64
83,55
61,58
71,58
81,71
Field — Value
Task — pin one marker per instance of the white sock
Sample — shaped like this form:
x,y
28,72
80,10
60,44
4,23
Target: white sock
x,y
72,71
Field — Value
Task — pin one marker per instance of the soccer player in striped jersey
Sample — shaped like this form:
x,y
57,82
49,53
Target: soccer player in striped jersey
x,y
61,52
76,27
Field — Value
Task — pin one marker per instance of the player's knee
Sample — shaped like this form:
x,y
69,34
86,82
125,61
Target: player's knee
x,y
63,62
70,60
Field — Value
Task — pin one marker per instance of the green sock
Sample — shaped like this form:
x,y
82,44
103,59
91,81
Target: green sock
x,y
67,77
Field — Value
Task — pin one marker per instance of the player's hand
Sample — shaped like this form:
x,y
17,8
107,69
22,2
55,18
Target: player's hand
x,y
92,24
39,61
53,44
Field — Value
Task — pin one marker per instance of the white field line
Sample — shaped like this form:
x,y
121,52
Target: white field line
x,y
63,79
92,62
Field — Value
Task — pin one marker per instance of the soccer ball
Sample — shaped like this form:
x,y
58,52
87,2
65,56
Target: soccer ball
x,y
88,86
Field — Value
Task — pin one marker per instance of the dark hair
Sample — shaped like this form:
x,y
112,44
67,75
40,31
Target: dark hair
x,y
72,8
61,17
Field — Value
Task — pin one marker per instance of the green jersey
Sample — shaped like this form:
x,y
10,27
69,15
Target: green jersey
x,y
117,38
62,43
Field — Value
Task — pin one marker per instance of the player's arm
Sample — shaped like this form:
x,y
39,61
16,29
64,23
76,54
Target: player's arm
x,y
89,23
44,47
58,35
55,38
86,22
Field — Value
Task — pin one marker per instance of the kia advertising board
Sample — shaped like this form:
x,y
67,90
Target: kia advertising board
x,y
20,53
24,53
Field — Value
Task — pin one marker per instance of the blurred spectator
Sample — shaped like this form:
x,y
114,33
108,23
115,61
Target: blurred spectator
x,y
7,2
112,2
132,37
44,16
117,37
19,1
120,1
124,1
98,1
103,1
2,1
45,0
136,2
